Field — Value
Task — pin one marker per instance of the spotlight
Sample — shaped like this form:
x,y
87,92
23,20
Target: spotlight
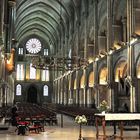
x,y
102,53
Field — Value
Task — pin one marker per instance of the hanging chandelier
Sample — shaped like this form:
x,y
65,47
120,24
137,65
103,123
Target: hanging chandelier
x,y
58,63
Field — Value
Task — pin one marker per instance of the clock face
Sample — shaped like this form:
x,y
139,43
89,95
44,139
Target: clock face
x,y
33,45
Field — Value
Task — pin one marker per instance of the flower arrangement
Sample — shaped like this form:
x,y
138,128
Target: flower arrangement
x,y
103,107
81,119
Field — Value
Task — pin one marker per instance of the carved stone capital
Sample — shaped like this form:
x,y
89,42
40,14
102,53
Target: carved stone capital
x,y
11,3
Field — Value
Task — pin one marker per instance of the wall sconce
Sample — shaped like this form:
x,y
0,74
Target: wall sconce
x,y
97,57
121,44
90,60
111,50
133,40
134,37
102,54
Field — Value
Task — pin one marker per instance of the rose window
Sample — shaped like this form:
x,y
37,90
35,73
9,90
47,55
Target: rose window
x,y
33,46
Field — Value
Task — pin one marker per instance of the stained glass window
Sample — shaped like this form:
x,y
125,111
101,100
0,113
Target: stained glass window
x,y
46,52
20,51
45,90
20,72
18,90
33,45
45,75
32,72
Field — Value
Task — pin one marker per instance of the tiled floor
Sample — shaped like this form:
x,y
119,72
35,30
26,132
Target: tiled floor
x,y
70,131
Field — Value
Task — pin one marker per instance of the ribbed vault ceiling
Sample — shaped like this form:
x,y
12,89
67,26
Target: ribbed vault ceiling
x,y
46,19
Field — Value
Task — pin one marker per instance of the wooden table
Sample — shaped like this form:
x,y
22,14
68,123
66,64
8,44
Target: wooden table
x,y
115,118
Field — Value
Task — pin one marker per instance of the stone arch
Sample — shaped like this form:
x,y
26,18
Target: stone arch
x,y
91,79
103,75
121,88
82,81
103,90
90,91
81,88
120,70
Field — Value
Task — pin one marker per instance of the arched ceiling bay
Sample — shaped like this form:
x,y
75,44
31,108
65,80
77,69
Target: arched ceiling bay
x,y
47,19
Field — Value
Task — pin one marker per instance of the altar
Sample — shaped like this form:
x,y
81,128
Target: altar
x,y
115,118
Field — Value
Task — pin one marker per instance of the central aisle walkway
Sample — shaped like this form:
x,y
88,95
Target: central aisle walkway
x,y
70,131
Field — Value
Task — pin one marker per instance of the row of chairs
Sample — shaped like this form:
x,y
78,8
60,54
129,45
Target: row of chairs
x,y
32,112
24,126
74,111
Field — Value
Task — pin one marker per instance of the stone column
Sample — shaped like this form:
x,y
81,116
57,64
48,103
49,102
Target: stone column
x,y
77,89
78,36
85,88
58,91
11,5
9,15
109,57
6,25
96,52
130,54
3,95
70,97
55,91
66,53
130,20
96,49
85,36
61,90
124,21
96,83
1,21
65,90
3,81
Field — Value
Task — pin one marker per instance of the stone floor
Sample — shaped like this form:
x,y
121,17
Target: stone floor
x,y
69,131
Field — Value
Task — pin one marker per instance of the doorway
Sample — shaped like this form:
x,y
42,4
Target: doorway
x,y
32,94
